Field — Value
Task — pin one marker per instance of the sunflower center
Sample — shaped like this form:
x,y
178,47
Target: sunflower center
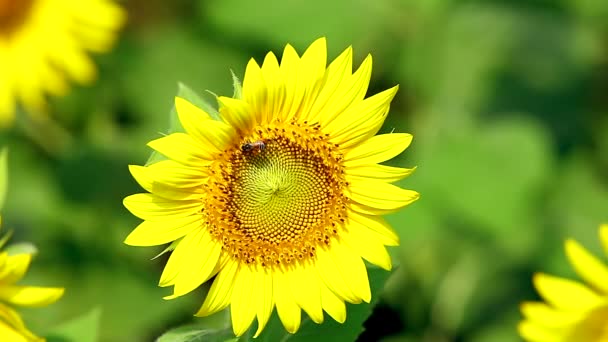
x,y
13,13
278,196
593,328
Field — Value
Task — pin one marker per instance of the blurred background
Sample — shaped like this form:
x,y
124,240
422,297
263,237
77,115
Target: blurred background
x,y
507,101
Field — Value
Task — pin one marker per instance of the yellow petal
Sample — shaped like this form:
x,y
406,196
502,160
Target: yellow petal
x,y
175,175
364,243
237,113
352,266
203,255
543,314
10,316
311,74
166,182
265,298
213,135
242,306
534,333
564,293
588,267
362,120
183,149
64,52
306,289
294,90
220,294
376,224
14,268
333,98
377,149
287,309
381,195
333,305
334,277
8,333
254,90
154,208
275,90
338,73
108,15
378,172
30,295
153,233
604,237
189,110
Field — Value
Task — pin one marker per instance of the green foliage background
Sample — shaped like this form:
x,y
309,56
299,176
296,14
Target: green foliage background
x,y
507,101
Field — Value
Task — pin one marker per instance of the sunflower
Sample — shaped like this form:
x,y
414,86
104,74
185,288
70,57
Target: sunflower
x,y
281,199
12,269
573,312
44,42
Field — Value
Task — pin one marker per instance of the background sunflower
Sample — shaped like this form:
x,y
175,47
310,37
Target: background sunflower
x,y
44,45
507,101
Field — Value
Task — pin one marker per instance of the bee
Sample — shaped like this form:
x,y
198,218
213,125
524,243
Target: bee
x,y
257,146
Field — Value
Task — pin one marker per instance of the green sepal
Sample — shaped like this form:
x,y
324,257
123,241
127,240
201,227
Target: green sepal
x,y
238,87
169,248
20,248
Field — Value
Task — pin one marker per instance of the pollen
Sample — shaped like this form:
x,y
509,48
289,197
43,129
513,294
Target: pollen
x,y
277,205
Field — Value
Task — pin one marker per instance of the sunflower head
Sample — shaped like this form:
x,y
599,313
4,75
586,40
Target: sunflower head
x,y
13,267
13,14
572,311
44,43
281,198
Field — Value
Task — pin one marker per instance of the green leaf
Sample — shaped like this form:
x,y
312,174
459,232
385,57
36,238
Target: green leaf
x,y
81,329
494,172
194,333
3,176
329,330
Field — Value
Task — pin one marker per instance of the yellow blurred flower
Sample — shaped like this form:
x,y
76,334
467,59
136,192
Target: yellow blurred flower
x,y
12,269
572,311
281,199
44,42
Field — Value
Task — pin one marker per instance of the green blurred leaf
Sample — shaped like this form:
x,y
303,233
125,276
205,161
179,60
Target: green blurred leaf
x,y
487,177
279,22
579,219
81,329
174,53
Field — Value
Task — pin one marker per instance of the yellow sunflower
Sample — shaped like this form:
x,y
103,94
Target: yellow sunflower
x,y
12,269
280,200
44,42
573,312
